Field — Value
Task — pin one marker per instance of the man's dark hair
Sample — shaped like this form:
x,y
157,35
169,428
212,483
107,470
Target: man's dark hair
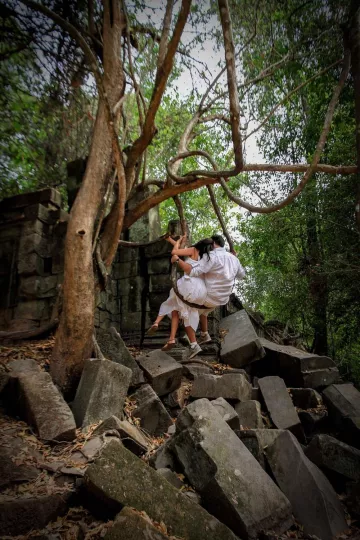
x,y
218,240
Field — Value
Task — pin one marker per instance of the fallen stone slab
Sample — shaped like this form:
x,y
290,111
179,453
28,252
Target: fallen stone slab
x,y
280,406
20,516
163,457
329,453
227,412
305,398
43,407
353,497
162,372
171,477
314,422
226,386
118,478
313,500
191,371
299,368
240,344
23,365
101,392
343,403
12,473
232,484
113,348
154,418
249,413
257,440
130,524
177,398
131,436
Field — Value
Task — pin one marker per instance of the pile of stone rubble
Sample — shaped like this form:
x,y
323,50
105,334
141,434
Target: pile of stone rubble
x,y
273,439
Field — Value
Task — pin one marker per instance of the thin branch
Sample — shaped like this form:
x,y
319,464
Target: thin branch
x,y
319,148
232,84
165,33
213,117
161,79
220,217
180,210
290,94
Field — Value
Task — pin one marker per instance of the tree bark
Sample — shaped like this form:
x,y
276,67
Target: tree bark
x,y
73,343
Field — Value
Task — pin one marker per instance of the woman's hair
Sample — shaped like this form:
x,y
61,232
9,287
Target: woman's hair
x,y
204,246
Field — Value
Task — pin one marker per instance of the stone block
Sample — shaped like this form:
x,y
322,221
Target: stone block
x,y
10,472
191,371
305,398
130,524
314,422
128,254
35,243
249,413
162,372
20,516
299,368
163,457
353,497
130,435
227,412
171,477
43,407
331,454
31,264
160,283
343,403
23,365
35,227
101,392
113,348
226,386
159,266
313,500
46,196
36,287
232,484
124,270
280,406
33,310
39,211
161,249
121,479
240,344
257,440
156,299
154,418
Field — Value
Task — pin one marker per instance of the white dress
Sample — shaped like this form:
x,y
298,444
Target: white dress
x,y
193,289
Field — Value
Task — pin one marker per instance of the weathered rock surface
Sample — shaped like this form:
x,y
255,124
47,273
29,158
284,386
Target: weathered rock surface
x,y
257,440
162,372
305,398
113,348
226,386
299,368
10,472
191,371
120,479
43,407
154,418
240,345
130,435
23,365
280,406
130,524
314,422
23,515
249,413
227,412
232,484
171,477
343,403
313,500
101,392
163,457
328,452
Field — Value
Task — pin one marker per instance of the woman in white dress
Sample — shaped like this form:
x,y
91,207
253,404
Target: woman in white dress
x,y
191,288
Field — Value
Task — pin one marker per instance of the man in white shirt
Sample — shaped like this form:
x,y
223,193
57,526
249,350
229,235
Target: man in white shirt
x,y
220,272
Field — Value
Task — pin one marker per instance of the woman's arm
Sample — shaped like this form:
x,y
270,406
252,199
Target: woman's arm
x,y
185,252
171,240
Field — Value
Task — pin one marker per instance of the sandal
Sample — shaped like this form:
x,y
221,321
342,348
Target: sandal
x,y
169,345
152,330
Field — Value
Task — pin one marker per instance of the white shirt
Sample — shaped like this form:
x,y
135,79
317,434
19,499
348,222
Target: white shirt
x,y
220,272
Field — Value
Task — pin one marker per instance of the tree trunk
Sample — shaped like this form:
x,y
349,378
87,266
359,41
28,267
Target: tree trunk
x,y
354,43
73,343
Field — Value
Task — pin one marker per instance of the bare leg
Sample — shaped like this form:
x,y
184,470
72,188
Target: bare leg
x,y
190,334
174,325
203,323
159,318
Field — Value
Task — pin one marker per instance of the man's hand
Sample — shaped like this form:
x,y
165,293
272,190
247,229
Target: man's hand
x,y
175,259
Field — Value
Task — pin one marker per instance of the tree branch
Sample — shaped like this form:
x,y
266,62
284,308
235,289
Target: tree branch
x,y
319,148
220,217
180,210
165,33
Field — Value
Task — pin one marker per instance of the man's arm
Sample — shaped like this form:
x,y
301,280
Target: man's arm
x,y
241,272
